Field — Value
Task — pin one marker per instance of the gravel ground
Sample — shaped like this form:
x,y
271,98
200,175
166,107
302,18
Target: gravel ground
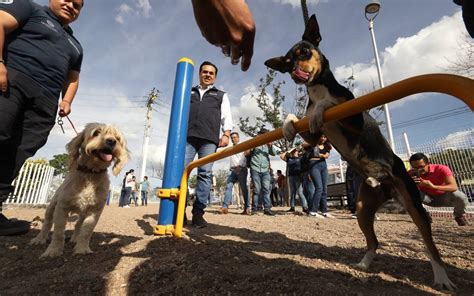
x,y
287,254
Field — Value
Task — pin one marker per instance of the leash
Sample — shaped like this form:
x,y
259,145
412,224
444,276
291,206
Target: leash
x,y
61,123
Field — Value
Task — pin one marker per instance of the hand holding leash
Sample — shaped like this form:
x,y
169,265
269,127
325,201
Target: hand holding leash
x,y
64,108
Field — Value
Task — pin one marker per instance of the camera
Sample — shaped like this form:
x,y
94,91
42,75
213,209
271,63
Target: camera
x,y
417,173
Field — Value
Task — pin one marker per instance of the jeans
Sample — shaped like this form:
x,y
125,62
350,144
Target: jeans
x,y
308,187
295,187
233,177
144,198
456,199
133,196
319,176
204,180
262,188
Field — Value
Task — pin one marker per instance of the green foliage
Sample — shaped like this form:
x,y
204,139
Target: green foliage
x,y
221,179
192,181
270,99
60,163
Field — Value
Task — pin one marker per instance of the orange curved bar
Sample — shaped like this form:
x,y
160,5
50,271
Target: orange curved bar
x,y
457,86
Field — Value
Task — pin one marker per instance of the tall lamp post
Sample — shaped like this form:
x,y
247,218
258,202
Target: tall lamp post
x,y
371,11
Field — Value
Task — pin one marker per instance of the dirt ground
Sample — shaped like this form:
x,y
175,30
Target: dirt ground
x,y
288,254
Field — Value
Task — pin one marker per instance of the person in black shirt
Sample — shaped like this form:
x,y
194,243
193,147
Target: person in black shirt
x,y
293,160
39,59
319,175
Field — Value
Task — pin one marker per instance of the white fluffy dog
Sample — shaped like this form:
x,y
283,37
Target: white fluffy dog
x,y
84,190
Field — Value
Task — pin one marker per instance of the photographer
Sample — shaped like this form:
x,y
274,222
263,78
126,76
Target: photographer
x,y
437,186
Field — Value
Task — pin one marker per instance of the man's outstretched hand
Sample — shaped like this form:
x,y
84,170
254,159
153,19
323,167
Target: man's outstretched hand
x,y
228,24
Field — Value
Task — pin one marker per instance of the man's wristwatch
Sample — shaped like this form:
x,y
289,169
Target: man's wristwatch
x,y
2,61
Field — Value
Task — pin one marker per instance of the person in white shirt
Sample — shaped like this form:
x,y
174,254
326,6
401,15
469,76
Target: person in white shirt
x,y
238,173
209,115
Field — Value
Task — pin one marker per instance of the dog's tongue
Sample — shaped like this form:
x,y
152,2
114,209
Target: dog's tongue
x,y
301,74
105,157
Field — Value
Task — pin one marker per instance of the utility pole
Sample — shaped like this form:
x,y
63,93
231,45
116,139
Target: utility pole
x,y
151,100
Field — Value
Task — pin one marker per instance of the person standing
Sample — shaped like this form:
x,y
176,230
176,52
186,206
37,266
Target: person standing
x,y
260,173
39,59
281,182
145,188
437,186
129,182
238,173
293,160
209,114
319,176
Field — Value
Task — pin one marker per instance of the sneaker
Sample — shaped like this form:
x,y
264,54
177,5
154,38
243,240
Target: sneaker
x,y
13,226
247,211
268,213
461,221
327,215
377,218
198,221
223,211
292,209
127,206
354,216
305,210
314,214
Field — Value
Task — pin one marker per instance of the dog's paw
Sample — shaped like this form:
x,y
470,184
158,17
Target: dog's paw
x,y
289,131
361,266
52,252
372,182
441,279
82,250
39,240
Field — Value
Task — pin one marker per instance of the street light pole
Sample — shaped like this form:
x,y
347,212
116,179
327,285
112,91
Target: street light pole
x,y
371,11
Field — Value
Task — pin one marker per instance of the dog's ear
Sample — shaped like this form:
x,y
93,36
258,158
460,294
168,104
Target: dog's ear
x,y
73,148
122,157
279,63
311,32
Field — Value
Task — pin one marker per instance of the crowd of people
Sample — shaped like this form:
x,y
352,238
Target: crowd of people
x,y
132,190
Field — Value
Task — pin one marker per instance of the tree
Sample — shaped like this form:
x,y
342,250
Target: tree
x,y
270,102
158,169
192,181
221,180
60,163
464,62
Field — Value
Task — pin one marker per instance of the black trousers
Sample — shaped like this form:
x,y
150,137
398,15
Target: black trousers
x,y
27,115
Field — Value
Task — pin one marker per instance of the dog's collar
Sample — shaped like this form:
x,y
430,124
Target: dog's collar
x,y
84,169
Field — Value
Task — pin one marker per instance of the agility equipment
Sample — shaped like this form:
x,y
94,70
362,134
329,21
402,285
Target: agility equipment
x,y
175,149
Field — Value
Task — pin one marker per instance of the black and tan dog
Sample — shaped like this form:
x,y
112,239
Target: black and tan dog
x,y
359,140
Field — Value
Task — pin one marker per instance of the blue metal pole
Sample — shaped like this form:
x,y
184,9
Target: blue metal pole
x,y
175,147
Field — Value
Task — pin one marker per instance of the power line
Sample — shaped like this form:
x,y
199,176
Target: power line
x,y
433,117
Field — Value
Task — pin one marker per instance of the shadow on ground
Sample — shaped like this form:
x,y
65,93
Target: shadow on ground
x,y
216,260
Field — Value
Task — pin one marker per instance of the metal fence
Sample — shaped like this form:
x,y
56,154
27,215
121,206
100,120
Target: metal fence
x,y
32,184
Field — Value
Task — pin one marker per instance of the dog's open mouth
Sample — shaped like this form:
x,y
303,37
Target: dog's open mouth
x,y
300,76
104,155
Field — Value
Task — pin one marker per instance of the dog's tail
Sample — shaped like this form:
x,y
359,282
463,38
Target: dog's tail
x,y
400,171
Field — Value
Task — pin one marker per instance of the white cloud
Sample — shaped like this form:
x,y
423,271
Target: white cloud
x,y
462,139
297,3
142,8
426,52
145,7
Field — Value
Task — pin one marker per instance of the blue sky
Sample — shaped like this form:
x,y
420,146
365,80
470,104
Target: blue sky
x,y
132,46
